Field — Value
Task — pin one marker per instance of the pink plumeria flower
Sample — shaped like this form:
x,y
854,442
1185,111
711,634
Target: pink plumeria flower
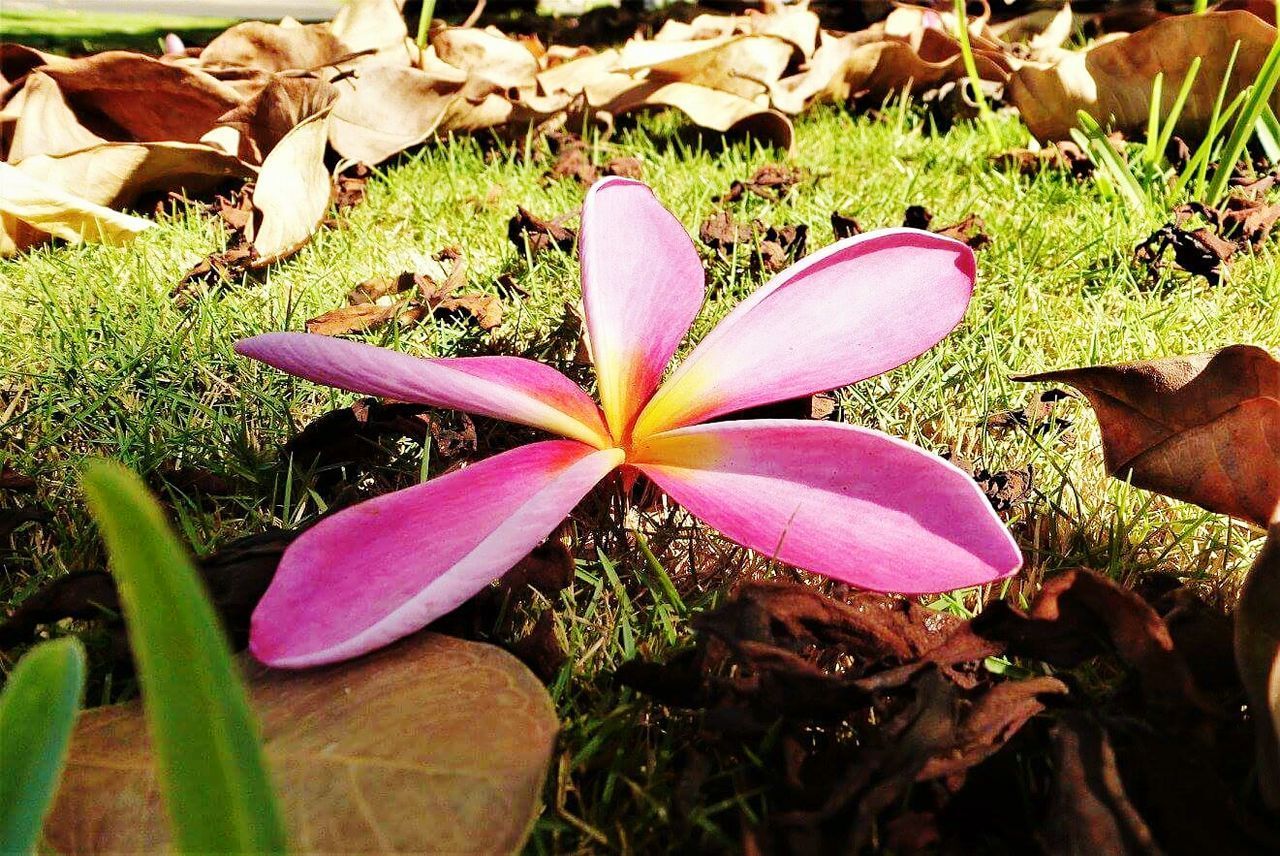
x,y
848,502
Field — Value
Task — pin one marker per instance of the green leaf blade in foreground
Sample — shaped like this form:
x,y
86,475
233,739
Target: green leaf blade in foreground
x,y
37,712
213,779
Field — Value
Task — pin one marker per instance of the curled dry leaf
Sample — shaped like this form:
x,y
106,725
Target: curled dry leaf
x,y
294,190
435,745
274,47
384,109
126,96
33,211
1204,428
1112,80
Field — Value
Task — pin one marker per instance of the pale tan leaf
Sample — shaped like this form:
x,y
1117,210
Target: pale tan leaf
x,y
293,191
488,55
383,110
710,108
741,65
274,47
32,211
371,25
116,174
264,120
1112,80
45,124
434,745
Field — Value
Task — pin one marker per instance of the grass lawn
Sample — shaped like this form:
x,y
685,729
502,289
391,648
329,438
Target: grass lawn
x,y
97,359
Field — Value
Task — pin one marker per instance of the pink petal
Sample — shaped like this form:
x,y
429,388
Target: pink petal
x,y
387,567
851,503
642,286
858,308
509,388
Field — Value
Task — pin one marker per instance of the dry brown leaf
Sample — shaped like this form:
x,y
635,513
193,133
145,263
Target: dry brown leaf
x,y
32,211
492,60
745,66
1112,80
117,174
354,319
709,108
263,120
274,47
46,125
371,25
1257,647
1204,428
385,109
294,190
127,96
434,745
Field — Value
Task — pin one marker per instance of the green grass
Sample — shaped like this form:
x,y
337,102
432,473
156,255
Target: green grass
x,y
96,359
70,32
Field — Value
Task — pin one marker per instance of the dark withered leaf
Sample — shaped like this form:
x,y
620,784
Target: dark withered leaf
x,y
625,167
12,480
540,649
1090,811
537,235
844,226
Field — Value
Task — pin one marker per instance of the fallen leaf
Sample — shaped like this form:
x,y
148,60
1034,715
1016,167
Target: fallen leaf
x,y
771,181
355,319
11,479
625,167
236,575
128,97
844,226
540,649
1112,80
1200,252
274,47
293,191
1063,156
1203,429
384,109
527,231
1090,811
46,124
407,749
33,211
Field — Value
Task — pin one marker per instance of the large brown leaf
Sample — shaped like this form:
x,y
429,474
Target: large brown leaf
x,y
1257,644
1112,80
293,191
434,745
274,47
127,96
385,109
1204,428
45,123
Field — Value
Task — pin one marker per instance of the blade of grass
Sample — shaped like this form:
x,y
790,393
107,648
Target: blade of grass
x,y
212,776
424,22
1153,118
1259,96
37,713
1198,165
1268,131
970,65
1175,112
1116,169
664,580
